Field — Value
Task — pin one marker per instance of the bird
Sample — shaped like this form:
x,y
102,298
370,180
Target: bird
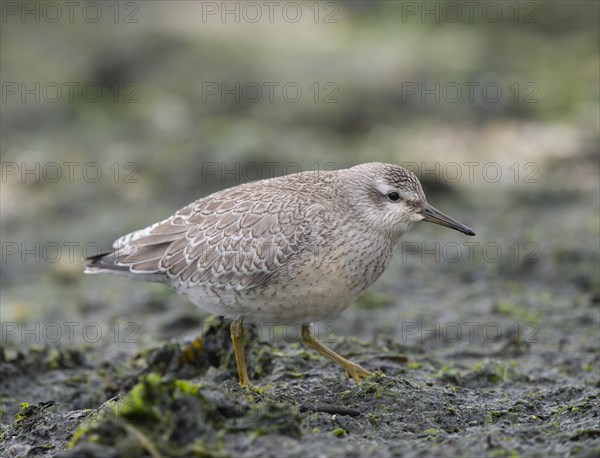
x,y
297,248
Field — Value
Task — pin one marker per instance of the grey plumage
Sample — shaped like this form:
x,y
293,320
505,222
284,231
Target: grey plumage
x,y
295,248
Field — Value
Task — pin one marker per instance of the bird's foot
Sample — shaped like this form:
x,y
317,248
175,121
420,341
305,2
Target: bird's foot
x,y
358,373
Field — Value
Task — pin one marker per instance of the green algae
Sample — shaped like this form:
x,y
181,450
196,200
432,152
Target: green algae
x,y
339,432
181,417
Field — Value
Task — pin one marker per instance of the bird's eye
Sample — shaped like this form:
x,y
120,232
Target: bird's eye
x,y
393,196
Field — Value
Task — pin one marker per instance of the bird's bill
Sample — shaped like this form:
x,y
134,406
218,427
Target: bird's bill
x,y
435,216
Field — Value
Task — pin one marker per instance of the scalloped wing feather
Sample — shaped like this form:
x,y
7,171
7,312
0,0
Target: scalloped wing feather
x,y
231,240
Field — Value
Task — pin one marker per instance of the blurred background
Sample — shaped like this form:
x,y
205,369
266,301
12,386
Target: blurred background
x,y
114,115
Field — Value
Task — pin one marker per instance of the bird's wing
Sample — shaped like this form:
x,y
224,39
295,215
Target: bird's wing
x,y
233,240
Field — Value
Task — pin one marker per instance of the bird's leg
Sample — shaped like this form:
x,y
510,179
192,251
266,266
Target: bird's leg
x,y
237,338
353,370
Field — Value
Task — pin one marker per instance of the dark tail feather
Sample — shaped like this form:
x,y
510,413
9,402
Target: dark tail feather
x,y
97,256
103,262
107,263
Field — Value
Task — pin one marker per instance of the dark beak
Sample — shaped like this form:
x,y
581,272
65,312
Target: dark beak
x,y
435,216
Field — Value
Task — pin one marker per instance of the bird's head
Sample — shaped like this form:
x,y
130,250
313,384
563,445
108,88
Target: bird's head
x,y
391,198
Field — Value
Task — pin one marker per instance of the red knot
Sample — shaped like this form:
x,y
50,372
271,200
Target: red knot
x,y
293,249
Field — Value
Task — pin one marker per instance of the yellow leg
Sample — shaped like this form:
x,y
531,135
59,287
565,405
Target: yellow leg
x,y
237,338
353,370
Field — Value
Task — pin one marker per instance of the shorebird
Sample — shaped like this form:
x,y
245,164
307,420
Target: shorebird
x,y
294,249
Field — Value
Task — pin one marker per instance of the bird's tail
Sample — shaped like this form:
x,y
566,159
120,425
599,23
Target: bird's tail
x,y
108,263
101,263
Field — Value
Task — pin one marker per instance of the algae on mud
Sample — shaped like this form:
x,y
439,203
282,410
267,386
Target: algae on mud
x,y
496,408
